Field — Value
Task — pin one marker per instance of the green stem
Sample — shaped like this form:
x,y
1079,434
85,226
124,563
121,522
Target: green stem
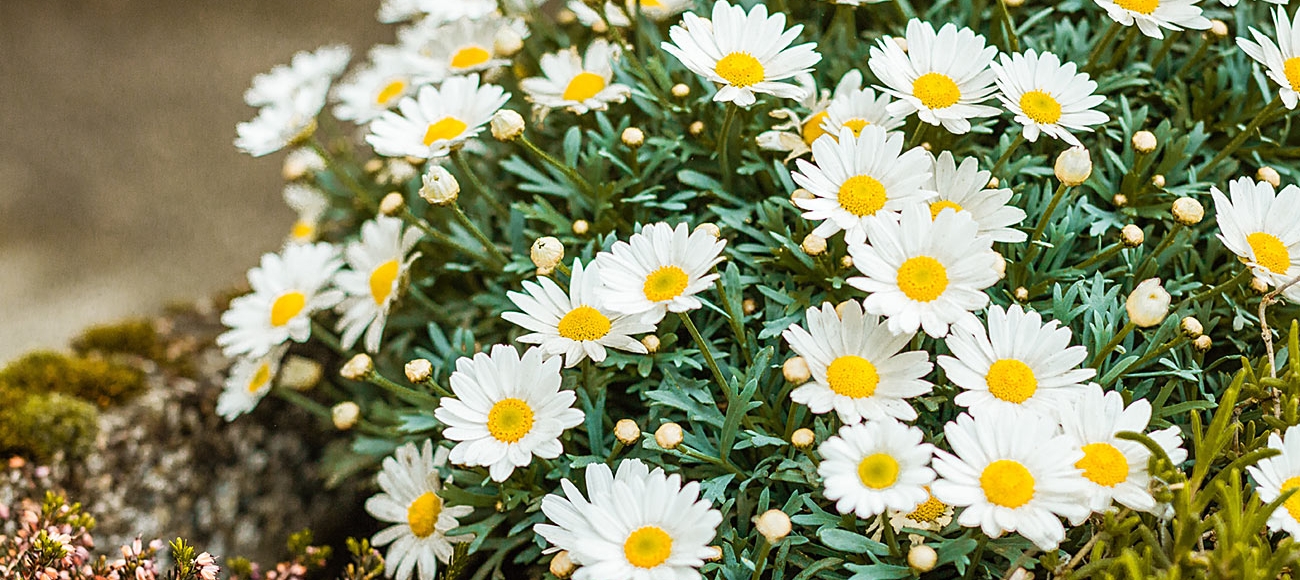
x,y
1122,51
1042,223
760,561
1148,357
478,234
736,321
1165,47
1101,45
708,356
563,269
569,172
1105,254
891,540
304,402
1235,280
1006,155
1149,261
342,174
440,237
1009,26
459,158
319,332
976,558
407,394
1195,58
1114,342
696,455
1242,136
724,138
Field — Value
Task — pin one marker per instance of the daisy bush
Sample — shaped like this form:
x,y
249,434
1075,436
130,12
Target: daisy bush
x,y
674,289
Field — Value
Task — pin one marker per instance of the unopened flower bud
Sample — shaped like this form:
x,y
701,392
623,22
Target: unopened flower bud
x,y
418,370
710,228
814,245
1202,343
846,261
373,166
1270,175
1259,286
1021,574
696,128
651,343
507,125
1073,166
803,438
392,204
299,162
507,41
345,415
922,558
1014,3
774,525
1144,141
440,186
1131,236
799,194
1188,211
681,91
547,253
1119,200
1021,293
1000,265
562,565
748,306
581,227
1219,28
926,145
627,431
715,555
1148,304
669,435
299,373
796,370
633,137
599,27
358,368
1191,327
994,183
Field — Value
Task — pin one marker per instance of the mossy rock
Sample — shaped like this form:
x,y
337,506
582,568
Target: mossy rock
x,y
132,337
99,381
42,425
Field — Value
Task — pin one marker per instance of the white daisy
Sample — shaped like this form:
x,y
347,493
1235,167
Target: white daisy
x,y
1020,363
857,109
281,124
745,53
378,265
799,131
943,77
658,270
621,16
1277,474
856,177
1012,473
1152,15
249,381
578,83
435,11
461,46
1262,228
420,517
962,188
1047,96
506,410
310,204
437,120
391,74
287,289
925,272
573,324
1281,59
309,72
873,466
857,367
636,524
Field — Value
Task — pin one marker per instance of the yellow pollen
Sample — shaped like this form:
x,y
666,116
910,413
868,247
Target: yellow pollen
x,y
584,86
423,514
666,283
509,420
303,230
936,91
937,207
1291,67
390,91
1293,504
1011,380
922,278
445,129
852,376
381,281
260,378
857,125
651,4
287,306
648,546
878,471
862,195
1103,464
470,56
1007,483
584,323
740,69
812,128
1041,107
1269,252
929,510
1139,6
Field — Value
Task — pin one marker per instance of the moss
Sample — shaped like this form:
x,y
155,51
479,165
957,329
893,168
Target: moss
x,y
136,337
101,382
41,425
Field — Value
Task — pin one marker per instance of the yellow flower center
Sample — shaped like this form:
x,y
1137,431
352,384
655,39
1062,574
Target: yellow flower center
x,y
862,195
1041,107
740,69
1007,483
445,129
852,376
303,230
812,128
509,420
939,206
470,56
929,510
936,91
260,378
389,92
1011,380
1291,67
878,471
381,281
584,323
1103,464
584,86
1139,6
651,4
857,125
1293,504
648,546
1269,252
287,306
423,514
922,278
665,283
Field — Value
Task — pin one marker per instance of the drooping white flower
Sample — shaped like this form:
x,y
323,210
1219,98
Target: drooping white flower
x,y
434,11
801,129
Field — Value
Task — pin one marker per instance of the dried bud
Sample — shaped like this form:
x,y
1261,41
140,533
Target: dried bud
x,y
1073,166
358,368
1022,293
748,306
1131,236
715,556
1158,180
710,228
547,253
627,431
774,525
1119,200
507,41
922,558
799,194
796,370
994,183
418,370
1219,28
581,227
345,415
507,125
1148,304
651,343
1191,327
1014,3
803,438
926,145
299,373
814,245
633,137
1270,175
681,91
440,186
562,565
1188,211
846,261
1259,286
1202,343
1144,141
696,128
669,435
373,166
1000,265
392,204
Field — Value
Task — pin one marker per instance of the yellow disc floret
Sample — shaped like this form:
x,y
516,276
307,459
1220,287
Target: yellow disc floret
x,y
1007,483
930,510
938,206
1103,464
1041,107
423,514
1293,503
1291,68
260,377
1269,252
740,69
862,195
648,546
812,128
936,91
666,283
878,470
287,306
445,129
857,125
922,278
470,56
584,323
1139,6
510,420
852,376
584,85
1011,380
381,280
390,91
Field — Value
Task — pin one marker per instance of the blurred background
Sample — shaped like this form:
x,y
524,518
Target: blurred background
x,y
120,190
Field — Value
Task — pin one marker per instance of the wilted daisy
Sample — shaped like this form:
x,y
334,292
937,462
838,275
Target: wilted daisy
x,y
1281,59
931,516
377,268
1260,227
579,83
1012,473
391,74
658,270
800,130
1047,96
1021,363
437,120
249,381
857,367
1278,474
1152,15
310,204
574,324
506,410
746,53
459,47
420,517
287,289
923,271
962,188
873,466
636,524
858,109
856,177
942,77
434,11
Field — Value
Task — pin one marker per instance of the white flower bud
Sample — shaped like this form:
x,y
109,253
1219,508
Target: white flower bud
x,y
774,525
748,306
345,415
669,435
1119,199
418,370
358,368
1131,236
1158,180
1014,3
566,16
681,91
507,41
803,438
1021,293
1188,211
796,370
633,137
1073,166
1000,265
847,262
1191,327
1270,175
711,228
440,186
627,431
562,565
373,166
994,183
581,227
1202,343
547,253
392,204
300,373
1144,141
1219,28
922,558
814,245
1148,304
799,194
507,125
651,343
696,128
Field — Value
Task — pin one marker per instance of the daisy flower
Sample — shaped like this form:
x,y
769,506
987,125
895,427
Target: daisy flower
x,y
250,380
287,289
636,524
506,410
1262,228
799,131
962,188
437,120
378,265
857,367
1278,474
923,271
310,204
1047,96
367,93
574,324
857,109
281,124
459,47
420,517
1281,59
873,466
579,83
658,270
1020,363
1011,473
745,53
621,16
1152,15
434,11
309,72
943,76
859,176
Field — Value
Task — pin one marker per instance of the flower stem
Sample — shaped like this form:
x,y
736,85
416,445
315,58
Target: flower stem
x,y
569,172
323,334
478,234
1012,41
1042,223
760,561
342,174
708,356
1006,155
1148,357
407,394
724,137
1114,342
459,158
1149,261
1101,45
1242,136
1235,280
1165,47
438,236
735,319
